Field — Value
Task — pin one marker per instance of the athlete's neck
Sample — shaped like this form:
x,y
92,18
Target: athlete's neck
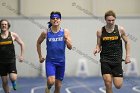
x,y
55,29
4,32
109,28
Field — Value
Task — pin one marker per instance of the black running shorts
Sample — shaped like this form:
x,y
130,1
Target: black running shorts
x,y
6,68
115,69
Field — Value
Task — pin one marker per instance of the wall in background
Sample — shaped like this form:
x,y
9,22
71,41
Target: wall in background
x,y
83,33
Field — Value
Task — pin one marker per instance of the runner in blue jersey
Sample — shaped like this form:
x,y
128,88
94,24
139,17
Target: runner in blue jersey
x,y
56,40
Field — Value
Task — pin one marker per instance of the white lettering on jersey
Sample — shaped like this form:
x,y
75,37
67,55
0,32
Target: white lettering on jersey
x,y
55,39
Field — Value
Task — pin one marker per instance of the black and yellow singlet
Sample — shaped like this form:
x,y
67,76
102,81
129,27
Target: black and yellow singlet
x,y
7,51
111,46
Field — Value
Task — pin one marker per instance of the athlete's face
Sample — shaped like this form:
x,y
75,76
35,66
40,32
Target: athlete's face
x,y
55,21
110,20
4,26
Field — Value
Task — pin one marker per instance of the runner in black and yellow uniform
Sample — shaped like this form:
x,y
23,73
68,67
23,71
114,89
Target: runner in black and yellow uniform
x,y
109,43
7,55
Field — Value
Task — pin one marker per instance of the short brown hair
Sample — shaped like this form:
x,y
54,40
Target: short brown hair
x,y
110,13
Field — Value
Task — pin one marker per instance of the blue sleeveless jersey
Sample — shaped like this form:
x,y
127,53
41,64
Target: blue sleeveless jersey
x,y
55,46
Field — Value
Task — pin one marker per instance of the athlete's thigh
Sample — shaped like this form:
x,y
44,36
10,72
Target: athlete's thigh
x,y
60,70
4,79
105,68
12,68
117,70
3,69
117,75
107,78
118,81
50,69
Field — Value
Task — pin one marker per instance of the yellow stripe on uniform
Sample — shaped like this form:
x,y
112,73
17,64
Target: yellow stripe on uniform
x,y
6,43
110,38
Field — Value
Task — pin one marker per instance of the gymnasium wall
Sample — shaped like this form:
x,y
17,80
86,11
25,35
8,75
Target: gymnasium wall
x,y
82,17
83,34
42,8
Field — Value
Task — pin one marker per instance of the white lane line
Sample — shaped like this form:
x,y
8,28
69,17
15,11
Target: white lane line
x,y
102,89
85,86
35,88
136,89
68,88
1,89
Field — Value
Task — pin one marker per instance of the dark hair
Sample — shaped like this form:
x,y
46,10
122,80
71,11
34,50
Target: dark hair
x,y
110,13
6,21
49,24
56,12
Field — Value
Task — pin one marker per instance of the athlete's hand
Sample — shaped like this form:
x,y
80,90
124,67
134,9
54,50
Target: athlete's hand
x,y
21,59
41,60
96,51
127,60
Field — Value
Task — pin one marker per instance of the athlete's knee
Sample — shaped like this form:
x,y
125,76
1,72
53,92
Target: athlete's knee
x,y
118,86
118,83
108,84
58,84
5,83
13,76
51,80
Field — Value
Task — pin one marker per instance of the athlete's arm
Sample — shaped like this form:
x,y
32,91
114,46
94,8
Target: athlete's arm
x,y
127,44
38,45
67,38
98,45
16,38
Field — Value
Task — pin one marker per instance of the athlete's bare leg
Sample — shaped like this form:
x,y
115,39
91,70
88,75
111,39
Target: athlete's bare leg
x,y
118,81
5,84
58,85
108,82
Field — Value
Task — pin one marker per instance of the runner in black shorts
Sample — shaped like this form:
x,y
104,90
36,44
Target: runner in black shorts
x,y
9,67
109,43
7,55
